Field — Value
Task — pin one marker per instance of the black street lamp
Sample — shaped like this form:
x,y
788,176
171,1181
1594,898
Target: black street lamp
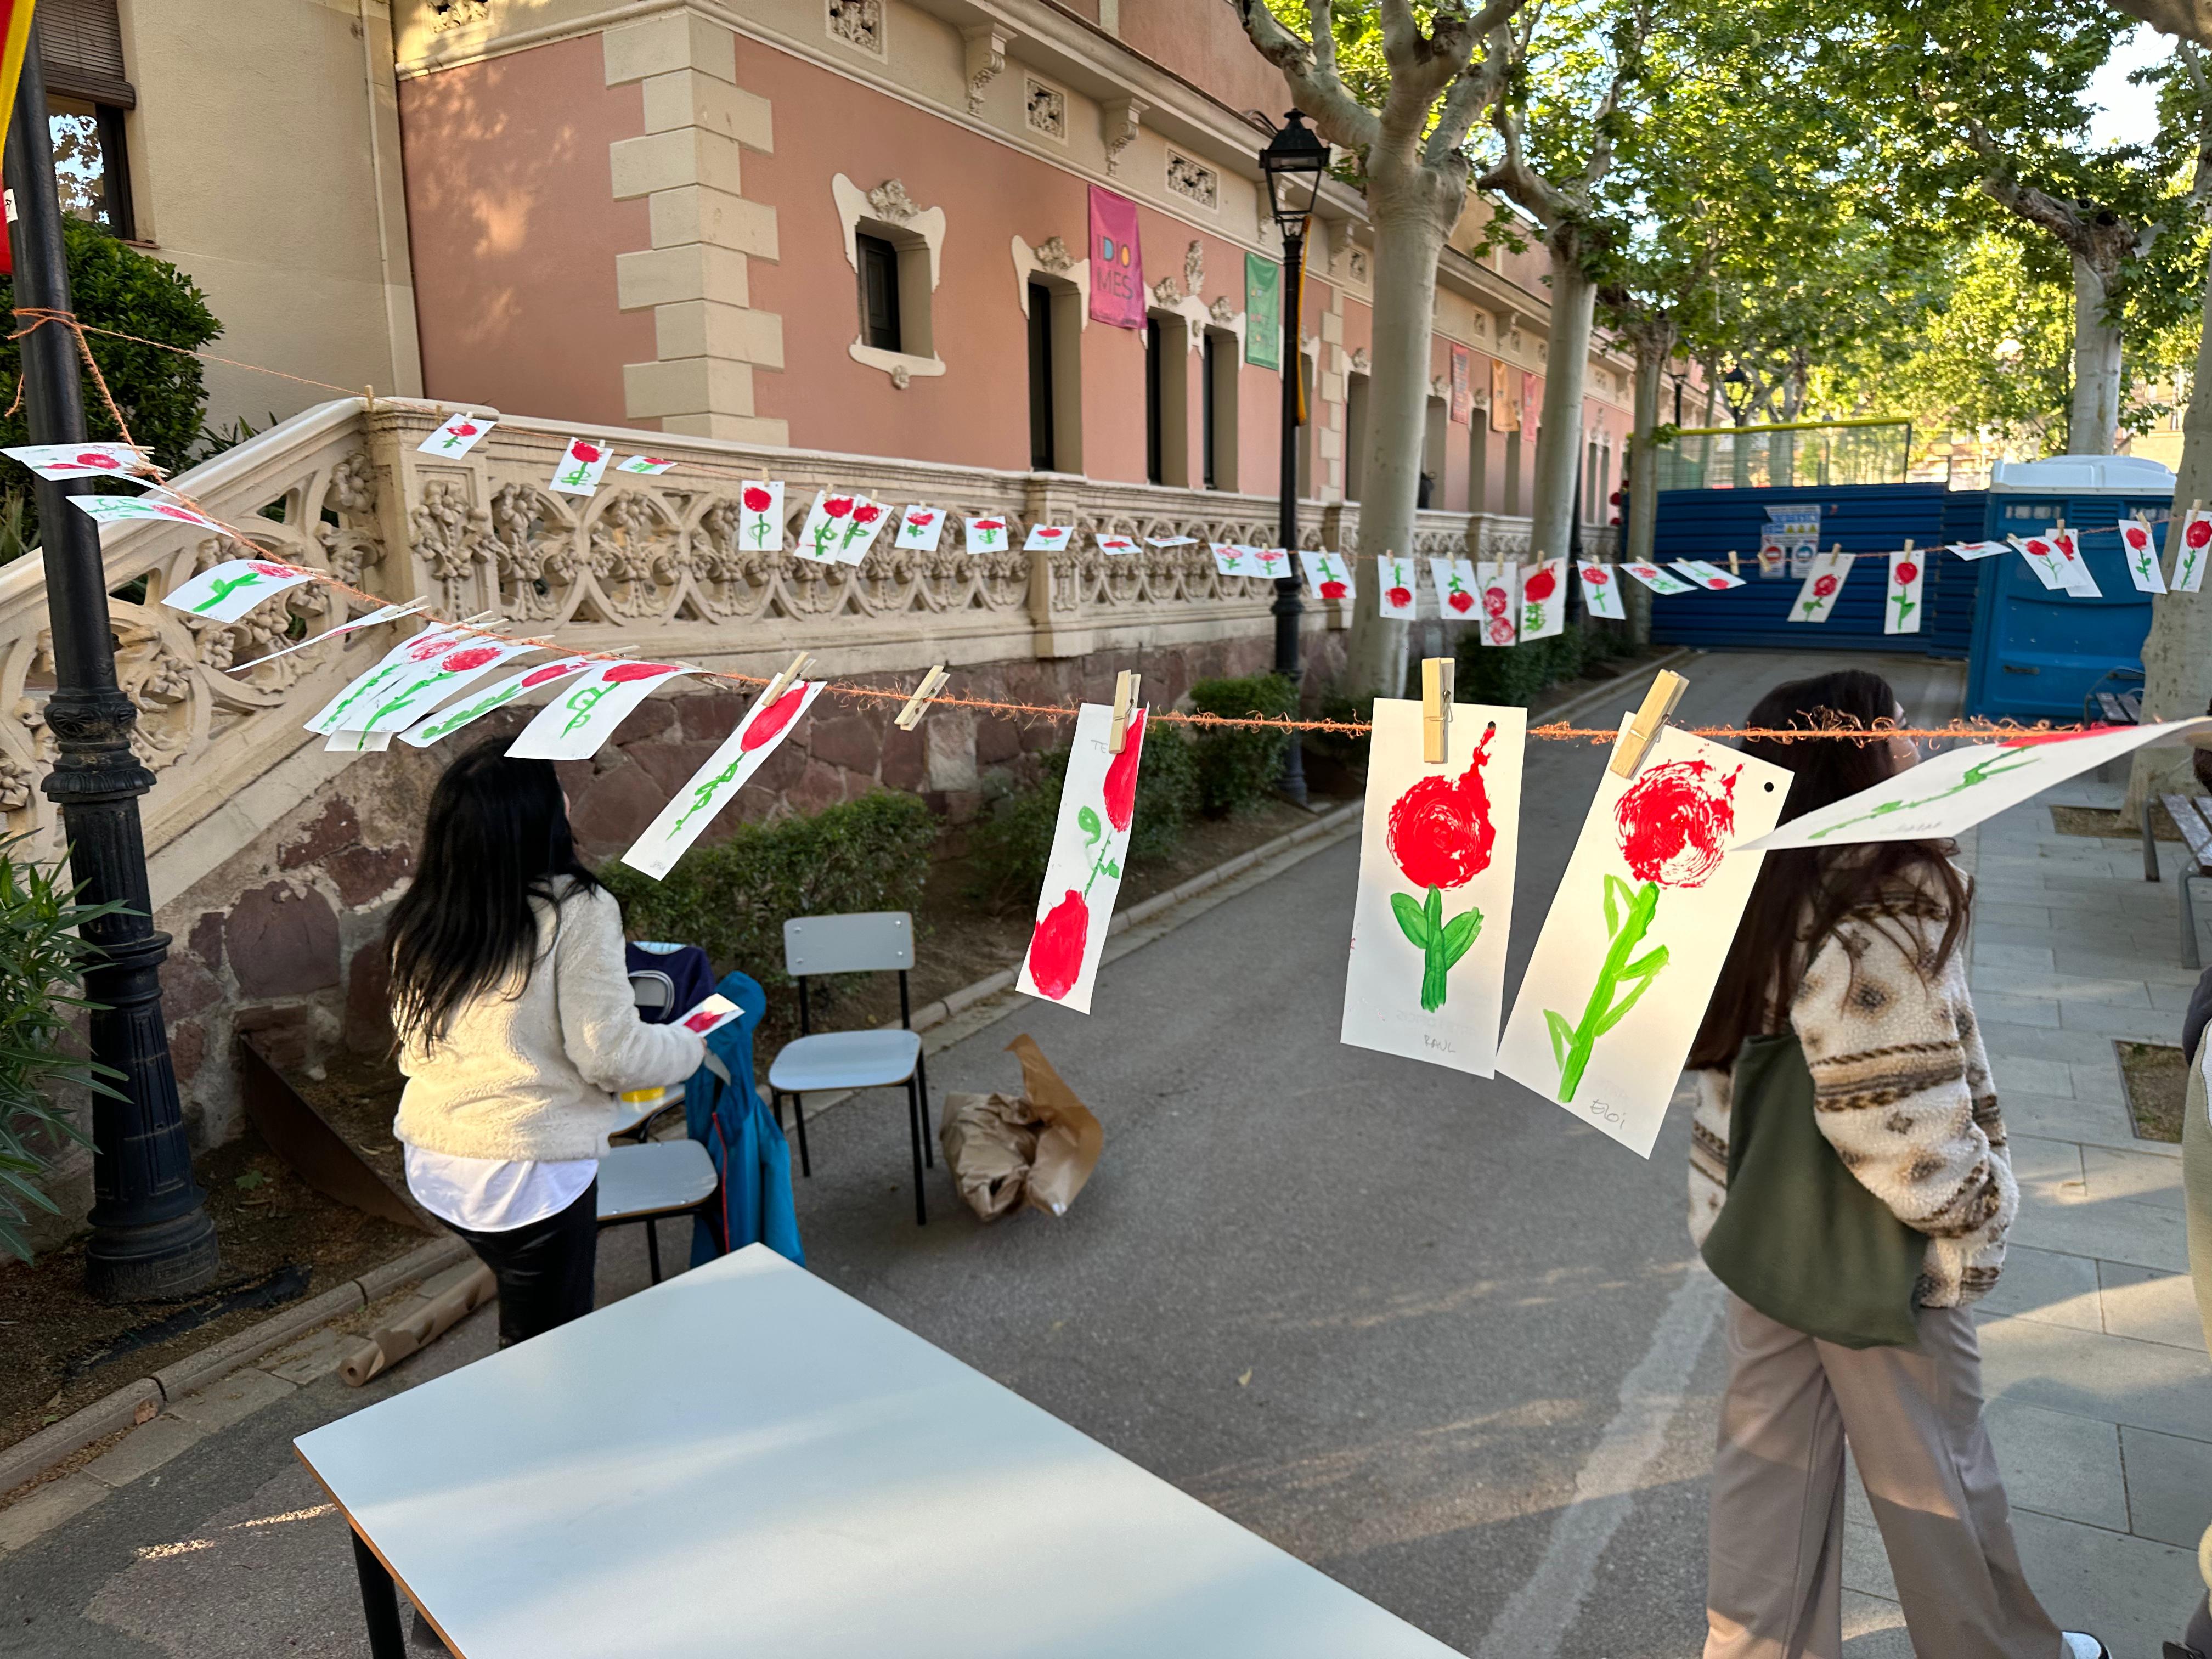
x,y
1293,163
151,1236
1736,391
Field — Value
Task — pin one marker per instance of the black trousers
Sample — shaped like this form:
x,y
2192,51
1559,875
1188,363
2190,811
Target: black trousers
x,y
545,1270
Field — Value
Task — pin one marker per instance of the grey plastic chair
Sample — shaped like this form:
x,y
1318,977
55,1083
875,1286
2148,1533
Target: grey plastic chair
x,y
652,990
647,1182
880,941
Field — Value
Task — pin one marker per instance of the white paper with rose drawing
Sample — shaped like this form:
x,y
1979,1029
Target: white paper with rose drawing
x,y
1900,604
1437,847
1393,587
760,527
432,642
427,685
1322,569
693,807
1454,581
920,529
2139,547
225,592
465,711
1090,849
575,724
1823,584
1636,934
2188,559
1602,590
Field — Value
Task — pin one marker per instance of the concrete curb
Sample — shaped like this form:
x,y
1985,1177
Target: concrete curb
x,y
136,1402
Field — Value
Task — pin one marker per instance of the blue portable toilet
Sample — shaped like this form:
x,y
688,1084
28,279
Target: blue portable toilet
x,y
2037,654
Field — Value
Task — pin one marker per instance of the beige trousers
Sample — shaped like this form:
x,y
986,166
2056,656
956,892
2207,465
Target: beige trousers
x,y
1913,1419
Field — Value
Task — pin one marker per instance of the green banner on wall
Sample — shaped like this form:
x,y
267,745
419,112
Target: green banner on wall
x,y
1263,312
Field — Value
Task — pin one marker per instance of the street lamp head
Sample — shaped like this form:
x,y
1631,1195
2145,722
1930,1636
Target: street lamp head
x,y
1736,389
1293,162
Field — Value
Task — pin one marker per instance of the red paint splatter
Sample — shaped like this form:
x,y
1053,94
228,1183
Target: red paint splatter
x,y
701,1023
1121,775
1538,588
1823,586
1332,590
2038,739
586,454
474,657
1440,832
1400,597
758,500
550,671
618,673
278,570
1717,582
2198,533
1673,823
767,726
1907,574
1462,601
1056,946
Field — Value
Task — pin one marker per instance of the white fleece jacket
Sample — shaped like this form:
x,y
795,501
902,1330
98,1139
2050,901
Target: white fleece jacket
x,y
530,1073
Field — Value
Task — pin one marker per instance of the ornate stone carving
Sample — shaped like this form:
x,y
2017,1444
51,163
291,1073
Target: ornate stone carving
x,y
1357,259
1194,180
1051,255
983,55
1118,121
1168,292
1359,360
17,780
1045,110
858,23
443,531
1221,311
457,14
1193,267
900,379
889,201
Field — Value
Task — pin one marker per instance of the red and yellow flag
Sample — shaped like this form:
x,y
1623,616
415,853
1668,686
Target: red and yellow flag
x,y
14,42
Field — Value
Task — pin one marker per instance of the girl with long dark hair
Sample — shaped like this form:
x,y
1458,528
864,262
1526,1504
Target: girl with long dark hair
x,y
1858,950
517,1026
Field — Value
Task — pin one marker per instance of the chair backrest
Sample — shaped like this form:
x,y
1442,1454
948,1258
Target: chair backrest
x,y
865,943
650,988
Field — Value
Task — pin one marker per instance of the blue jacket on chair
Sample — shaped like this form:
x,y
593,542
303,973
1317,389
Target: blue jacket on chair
x,y
753,1204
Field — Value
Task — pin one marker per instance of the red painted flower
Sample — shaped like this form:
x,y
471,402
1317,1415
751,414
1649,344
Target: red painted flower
x,y
758,500
1907,574
1460,600
429,646
552,671
2198,533
1047,534
1501,631
920,520
1539,586
278,570
767,726
616,673
990,526
1673,823
838,506
186,514
1440,832
586,454
1056,946
1401,597
1824,586
1120,789
474,657
1717,582
656,460
2038,548
1595,575
866,513
2135,536
94,458
1332,590
1494,601
466,429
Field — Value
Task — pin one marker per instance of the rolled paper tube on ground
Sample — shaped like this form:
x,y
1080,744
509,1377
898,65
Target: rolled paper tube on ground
x,y
388,1344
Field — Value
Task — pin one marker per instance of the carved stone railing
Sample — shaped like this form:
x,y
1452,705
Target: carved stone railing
x,y
651,564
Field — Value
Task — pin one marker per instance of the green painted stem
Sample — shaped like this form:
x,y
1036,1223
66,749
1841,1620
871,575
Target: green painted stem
x,y
1633,929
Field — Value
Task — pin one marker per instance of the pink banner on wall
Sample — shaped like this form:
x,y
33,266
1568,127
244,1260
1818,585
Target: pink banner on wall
x,y
1532,402
1117,263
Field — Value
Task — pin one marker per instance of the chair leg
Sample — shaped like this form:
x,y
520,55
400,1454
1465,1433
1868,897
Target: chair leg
x,y
652,1246
2189,957
799,1111
2149,843
929,1136
914,1128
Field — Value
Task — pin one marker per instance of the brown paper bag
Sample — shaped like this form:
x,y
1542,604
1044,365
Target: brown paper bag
x,y
1038,1149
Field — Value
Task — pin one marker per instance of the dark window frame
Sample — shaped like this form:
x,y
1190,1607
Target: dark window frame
x,y
879,262
1155,406
1043,387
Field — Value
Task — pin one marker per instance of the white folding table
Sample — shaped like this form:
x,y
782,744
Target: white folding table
x,y
744,1461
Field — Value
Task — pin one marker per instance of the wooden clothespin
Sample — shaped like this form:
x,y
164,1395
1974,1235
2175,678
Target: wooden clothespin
x,y
1125,700
782,682
368,398
1437,673
1644,730
910,716
1735,563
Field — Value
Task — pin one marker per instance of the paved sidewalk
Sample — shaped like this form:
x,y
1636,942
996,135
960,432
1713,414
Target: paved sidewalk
x,y
2100,1389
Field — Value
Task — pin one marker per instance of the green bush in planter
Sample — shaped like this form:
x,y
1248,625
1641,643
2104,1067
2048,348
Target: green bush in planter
x,y
1509,676
1011,845
733,897
1238,767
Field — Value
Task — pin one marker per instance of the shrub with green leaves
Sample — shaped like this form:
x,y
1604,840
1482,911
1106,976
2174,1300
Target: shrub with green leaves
x,y
42,962
1009,847
1239,766
733,898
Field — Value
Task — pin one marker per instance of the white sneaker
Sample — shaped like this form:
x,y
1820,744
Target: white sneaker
x,y
2081,1645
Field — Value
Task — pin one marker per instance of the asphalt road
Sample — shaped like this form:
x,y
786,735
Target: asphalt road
x,y
1429,1332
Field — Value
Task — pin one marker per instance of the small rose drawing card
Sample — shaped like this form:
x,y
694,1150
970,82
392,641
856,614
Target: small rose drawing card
x,y
1393,587
711,1015
760,515
114,509
1900,606
432,643
1114,547
1454,581
2073,569
580,468
1543,599
823,530
85,460
1601,590
2188,563
1083,874
862,525
1977,549
1329,575
651,466
1273,563
1048,537
2042,558
1823,582
454,716
2139,546
225,592
574,725
1658,580
1499,586
693,807
1703,573
920,529
987,535
457,435
426,685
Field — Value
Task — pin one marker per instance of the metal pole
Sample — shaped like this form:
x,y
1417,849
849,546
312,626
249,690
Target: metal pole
x,y
1289,607
151,1236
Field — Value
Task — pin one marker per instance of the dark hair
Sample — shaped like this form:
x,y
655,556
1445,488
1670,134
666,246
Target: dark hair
x,y
496,834
1802,893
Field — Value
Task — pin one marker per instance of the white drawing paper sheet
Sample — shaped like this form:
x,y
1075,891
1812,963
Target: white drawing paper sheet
x,y
1601,590
1658,580
987,535
1499,586
2073,569
693,807
1949,794
2139,547
1434,913
1636,934
823,527
358,743
1393,587
2189,560
412,696
1329,575
1900,605
1823,583
457,435
575,724
1272,562
1454,580
862,525
1977,549
1543,598
1172,541
383,613
1048,537
1089,846
1702,572
84,461
427,646
920,529
114,509
2042,558
580,468
1114,547
225,592
651,466
466,710
759,517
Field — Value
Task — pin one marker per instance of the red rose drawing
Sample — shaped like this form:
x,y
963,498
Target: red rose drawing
x,y
703,1021
584,453
94,458
186,514
1595,575
423,649
2135,537
1824,586
1501,631
1674,822
1332,590
1056,946
552,671
837,506
279,570
616,673
1717,582
1400,597
1440,837
466,429
1494,601
474,657
767,726
1121,775
1539,586
990,526
866,513
1460,600
758,500
921,520
2198,533
1907,573
2038,548
656,460
1047,535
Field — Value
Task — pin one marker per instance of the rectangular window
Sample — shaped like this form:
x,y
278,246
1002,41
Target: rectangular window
x,y
1477,464
1223,361
1041,383
81,42
1155,414
1206,395
879,292
1355,437
1432,454
1513,472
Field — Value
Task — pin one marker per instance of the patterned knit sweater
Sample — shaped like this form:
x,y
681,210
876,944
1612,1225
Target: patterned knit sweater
x,y
1902,1092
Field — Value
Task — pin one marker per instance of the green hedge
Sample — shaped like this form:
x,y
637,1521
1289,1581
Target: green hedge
x,y
733,897
1238,769
1011,845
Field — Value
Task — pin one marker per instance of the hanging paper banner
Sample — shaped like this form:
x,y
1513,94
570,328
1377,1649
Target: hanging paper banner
x,y
358,743
1172,541
470,709
1500,588
1949,794
1532,405
112,509
85,460
457,435
1900,612
2188,563
862,525
920,529
1823,582
581,467
1049,537
1638,931
1234,559
1393,587
1263,312
693,807
383,613
1115,547
1082,878
1117,261
1543,598
433,642
1272,562
1463,383
1328,575
1601,592
822,531
2042,558
413,694
652,466
1454,584
760,523
225,592
1977,550
1702,572
987,535
2073,569
1505,398
574,725
1434,913
2139,544
1658,580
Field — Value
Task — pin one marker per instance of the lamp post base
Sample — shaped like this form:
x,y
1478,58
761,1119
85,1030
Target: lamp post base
x,y
157,1262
